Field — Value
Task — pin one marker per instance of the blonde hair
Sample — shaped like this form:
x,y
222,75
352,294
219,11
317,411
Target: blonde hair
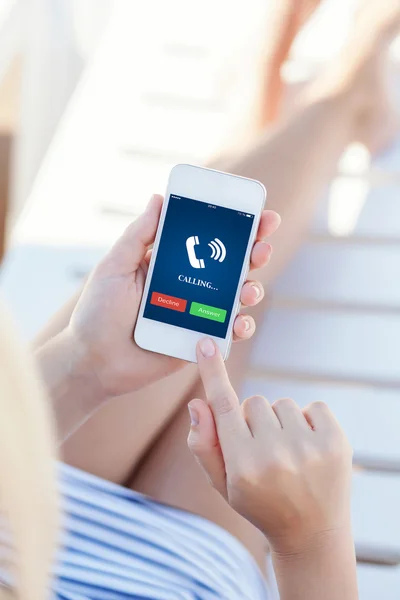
x,y
28,497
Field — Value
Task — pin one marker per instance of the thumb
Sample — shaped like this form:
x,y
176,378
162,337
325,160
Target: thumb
x,y
128,252
204,444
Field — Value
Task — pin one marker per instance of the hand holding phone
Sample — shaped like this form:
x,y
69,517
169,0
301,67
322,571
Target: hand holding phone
x,y
100,331
199,262
286,470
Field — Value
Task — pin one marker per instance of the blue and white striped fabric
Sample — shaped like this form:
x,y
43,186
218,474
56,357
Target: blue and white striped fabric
x,y
119,544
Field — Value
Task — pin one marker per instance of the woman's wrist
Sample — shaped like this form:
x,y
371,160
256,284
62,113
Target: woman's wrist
x,y
292,547
81,368
323,565
70,380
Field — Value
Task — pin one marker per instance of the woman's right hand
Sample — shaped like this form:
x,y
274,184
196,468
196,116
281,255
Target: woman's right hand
x,y
286,470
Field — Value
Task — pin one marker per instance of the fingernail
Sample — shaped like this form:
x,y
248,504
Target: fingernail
x,y
246,324
194,416
207,347
270,249
257,290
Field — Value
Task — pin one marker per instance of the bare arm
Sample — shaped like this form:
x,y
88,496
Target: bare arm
x,y
94,357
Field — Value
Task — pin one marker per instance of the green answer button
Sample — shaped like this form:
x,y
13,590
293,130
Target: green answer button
x,y
208,312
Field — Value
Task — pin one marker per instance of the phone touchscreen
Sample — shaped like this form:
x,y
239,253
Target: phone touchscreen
x,y
198,266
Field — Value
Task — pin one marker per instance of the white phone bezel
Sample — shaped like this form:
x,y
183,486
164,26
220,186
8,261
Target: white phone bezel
x,y
220,189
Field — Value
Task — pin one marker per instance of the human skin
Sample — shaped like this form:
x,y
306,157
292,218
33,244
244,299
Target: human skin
x,y
287,471
95,358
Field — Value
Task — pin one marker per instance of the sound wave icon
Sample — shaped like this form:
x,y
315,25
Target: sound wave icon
x,y
218,250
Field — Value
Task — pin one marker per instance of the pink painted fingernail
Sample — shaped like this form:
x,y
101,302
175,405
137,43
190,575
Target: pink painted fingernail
x,y
268,245
194,416
257,290
246,324
207,347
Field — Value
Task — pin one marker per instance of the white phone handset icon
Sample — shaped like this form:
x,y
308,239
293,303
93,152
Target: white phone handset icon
x,y
191,242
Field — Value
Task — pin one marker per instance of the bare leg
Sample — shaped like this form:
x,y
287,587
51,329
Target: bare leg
x,y
284,21
295,162
297,158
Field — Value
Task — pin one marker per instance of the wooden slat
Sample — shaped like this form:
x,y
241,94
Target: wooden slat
x,y
375,502
357,274
12,14
354,208
135,177
369,416
388,162
126,146
36,281
175,61
341,345
175,131
378,582
374,581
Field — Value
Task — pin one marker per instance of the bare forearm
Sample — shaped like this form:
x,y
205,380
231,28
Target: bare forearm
x,y
296,161
57,322
327,569
73,388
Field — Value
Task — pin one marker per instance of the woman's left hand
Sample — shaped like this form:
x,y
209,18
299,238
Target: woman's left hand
x,y
102,324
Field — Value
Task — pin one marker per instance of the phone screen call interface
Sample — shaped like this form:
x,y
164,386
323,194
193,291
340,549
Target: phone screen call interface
x,y
198,266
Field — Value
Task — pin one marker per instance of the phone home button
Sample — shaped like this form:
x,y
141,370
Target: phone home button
x,y
168,302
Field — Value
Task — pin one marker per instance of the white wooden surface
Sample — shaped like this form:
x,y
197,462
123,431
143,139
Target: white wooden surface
x,y
376,498
11,19
49,275
333,344
353,207
56,38
346,274
334,329
378,582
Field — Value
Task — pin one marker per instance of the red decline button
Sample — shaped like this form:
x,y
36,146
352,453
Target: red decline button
x,y
168,302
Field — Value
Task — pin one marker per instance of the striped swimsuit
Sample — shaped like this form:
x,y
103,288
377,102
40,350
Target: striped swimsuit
x,y
118,544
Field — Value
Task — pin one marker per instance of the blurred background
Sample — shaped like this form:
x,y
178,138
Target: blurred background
x,y
99,99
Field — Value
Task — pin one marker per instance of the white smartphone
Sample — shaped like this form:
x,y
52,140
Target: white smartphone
x,y
200,260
